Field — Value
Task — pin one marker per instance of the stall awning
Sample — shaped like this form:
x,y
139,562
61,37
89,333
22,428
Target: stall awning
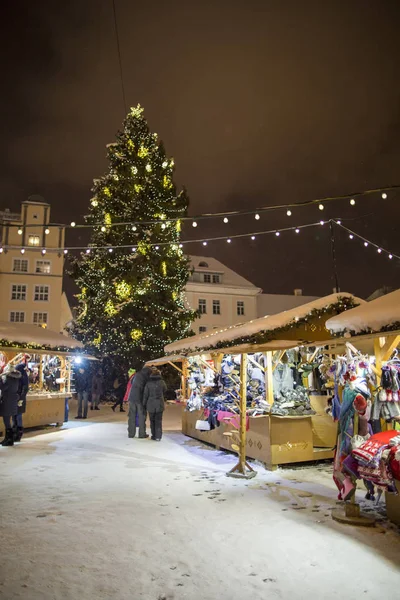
x,y
164,360
375,316
20,335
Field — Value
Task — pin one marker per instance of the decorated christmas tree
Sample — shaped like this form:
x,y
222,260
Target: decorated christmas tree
x,y
132,277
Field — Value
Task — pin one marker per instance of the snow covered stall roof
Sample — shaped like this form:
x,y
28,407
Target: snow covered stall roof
x,y
21,335
382,314
289,318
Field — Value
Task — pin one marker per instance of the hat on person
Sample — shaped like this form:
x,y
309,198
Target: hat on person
x,y
131,372
155,371
360,404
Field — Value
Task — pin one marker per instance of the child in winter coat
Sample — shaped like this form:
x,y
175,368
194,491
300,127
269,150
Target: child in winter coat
x,y
153,402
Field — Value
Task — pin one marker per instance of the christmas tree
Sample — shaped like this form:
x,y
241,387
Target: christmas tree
x,y
132,277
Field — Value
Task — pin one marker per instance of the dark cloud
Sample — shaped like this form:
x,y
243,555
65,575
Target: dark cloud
x,y
260,102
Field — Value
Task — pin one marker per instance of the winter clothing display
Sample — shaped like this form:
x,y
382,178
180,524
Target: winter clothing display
x,y
293,403
283,378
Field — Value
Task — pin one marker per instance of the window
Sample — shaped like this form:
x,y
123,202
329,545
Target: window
x,y
17,316
216,307
20,265
202,306
40,318
216,279
202,329
207,278
33,240
18,291
203,264
43,266
240,307
41,293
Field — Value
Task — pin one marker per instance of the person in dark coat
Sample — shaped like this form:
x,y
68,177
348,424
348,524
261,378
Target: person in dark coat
x,y
97,389
136,403
153,402
82,387
9,386
119,386
22,391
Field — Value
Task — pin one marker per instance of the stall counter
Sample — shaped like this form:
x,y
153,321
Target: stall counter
x,y
44,409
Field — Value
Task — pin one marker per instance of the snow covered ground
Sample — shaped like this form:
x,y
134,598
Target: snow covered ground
x,y
87,513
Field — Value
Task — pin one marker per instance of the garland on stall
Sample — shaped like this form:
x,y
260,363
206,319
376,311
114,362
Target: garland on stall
x,y
386,328
261,337
4,343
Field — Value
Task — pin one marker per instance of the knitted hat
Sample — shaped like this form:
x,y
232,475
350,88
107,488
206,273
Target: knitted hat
x,y
360,404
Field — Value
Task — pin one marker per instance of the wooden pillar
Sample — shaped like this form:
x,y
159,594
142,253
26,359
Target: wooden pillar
x,y
63,373
242,469
269,381
40,372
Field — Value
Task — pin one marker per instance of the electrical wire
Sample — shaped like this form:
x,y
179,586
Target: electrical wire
x,y
119,57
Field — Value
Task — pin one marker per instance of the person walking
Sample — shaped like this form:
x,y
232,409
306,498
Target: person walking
x,y
97,389
136,403
153,402
82,385
22,392
9,386
119,386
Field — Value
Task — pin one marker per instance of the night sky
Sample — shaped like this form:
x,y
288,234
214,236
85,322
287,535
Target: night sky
x,y
260,102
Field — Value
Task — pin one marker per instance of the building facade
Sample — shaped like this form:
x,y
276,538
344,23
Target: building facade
x,y
221,296
31,274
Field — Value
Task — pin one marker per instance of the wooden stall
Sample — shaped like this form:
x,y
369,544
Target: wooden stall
x,y
49,356
272,439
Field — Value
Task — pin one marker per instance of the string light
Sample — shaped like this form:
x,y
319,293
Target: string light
x,y
257,217
297,230
110,249
351,236
44,251
379,251
321,207
390,256
88,251
133,249
339,222
73,223
321,223
289,213
253,237
1,249
134,228
384,195
22,250
366,244
277,233
19,231
204,243
352,202
47,231
226,220
180,245
194,224
65,251
157,247
163,225
229,240
103,229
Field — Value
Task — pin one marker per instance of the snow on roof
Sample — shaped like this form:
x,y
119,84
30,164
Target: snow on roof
x,y
371,316
267,323
32,334
230,277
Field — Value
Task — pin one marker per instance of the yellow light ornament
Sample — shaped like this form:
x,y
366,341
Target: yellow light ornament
x,y
163,324
107,219
143,248
178,226
136,334
138,188
167,183
143,152
130,144
123,289
110,309
137,111
106,192
148,168
97,340
164,268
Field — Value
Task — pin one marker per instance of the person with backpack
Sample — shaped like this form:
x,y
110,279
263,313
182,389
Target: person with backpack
x,y
153,402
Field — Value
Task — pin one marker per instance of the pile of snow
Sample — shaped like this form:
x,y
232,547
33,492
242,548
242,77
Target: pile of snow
x,y
371,316
32,334
267,323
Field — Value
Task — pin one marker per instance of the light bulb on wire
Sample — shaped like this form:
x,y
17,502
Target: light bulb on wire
x,y
204,243
339,222
73,223
351,236
352,202
289,213
134,228
379,250
226,220
253,237
321,207
19,231
366,244
229,240
297,230
390,256
277,233
22,250
194,224
1,249
43,251
65,251
321,223
384,195
47,231
257,217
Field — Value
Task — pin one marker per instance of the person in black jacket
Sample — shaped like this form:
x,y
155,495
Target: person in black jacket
x,y
82,387
153,402
22,391
136,403
9,385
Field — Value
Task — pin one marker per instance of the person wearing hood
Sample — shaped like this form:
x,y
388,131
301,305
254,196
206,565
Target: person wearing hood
x,y
82,386
136,403
22,391
153,402
9,387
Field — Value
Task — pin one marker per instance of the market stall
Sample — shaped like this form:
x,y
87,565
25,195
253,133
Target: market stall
x,y
254,388
49,359
369,416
